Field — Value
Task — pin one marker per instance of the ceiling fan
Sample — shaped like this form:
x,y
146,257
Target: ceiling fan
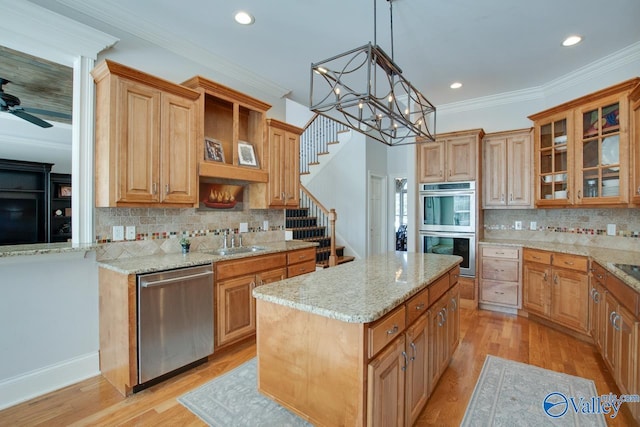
x,y
11,104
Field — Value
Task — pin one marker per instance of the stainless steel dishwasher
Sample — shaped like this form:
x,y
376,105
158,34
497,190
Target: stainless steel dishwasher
x,y
175,321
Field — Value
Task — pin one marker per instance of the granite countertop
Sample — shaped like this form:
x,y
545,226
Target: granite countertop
x,y
153,263
360,291
604,256
43,248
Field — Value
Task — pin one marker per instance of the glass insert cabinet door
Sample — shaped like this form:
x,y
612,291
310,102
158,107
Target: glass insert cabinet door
x,y
553,160
600,144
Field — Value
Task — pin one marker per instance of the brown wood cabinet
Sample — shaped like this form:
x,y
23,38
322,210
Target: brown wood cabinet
x,y
146,130
507,170
229,117
500,277
302,261
381,372
452,157
582,149
597,315
556,286
235,305
634,191
283,162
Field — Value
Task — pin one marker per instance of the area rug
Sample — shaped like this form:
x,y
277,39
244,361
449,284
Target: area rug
x,y
233,400
510,393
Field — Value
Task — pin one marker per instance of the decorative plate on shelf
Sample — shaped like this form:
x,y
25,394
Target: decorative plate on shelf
x,y
219,205
611,150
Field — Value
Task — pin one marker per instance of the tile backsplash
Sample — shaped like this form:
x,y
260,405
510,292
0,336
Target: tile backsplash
x,y
570,226
158,229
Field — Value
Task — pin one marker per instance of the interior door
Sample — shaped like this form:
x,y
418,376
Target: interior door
x,y
377,214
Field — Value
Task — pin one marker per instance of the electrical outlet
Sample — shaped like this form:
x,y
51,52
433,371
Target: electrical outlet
x,y
244,227
131,232
518,225
118,233
265,225
533,226
611,229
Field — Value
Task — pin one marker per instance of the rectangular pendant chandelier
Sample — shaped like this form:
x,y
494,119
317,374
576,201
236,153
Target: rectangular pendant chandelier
x,y
366,91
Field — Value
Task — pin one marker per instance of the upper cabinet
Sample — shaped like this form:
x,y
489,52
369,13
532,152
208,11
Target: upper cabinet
x,y
452,157
234,126
283,163
146,131
507,170
582,150
635,146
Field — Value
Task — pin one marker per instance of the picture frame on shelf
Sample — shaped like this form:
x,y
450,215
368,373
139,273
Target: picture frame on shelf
x,y
247,155
64,191
213,150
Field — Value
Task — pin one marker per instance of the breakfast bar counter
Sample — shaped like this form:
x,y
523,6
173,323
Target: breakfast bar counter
x,y
320,335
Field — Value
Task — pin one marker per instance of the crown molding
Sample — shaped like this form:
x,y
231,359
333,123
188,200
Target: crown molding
x,y
609,63
48,35
119,17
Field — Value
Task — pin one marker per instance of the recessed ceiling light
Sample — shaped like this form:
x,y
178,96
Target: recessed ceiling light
x,y
244,18
571,40
456,85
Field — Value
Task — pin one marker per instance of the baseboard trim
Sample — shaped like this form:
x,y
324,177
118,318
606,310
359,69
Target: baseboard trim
x,y
41,381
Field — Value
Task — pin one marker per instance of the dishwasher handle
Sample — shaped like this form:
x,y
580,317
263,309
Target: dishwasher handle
x,y
162,282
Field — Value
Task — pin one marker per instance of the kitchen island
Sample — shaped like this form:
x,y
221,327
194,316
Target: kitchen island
x,y
337,346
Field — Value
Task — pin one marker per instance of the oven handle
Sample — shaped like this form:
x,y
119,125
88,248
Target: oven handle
x,y
445,193
447,234
174,279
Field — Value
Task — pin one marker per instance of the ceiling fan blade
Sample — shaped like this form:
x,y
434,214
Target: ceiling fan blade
x,y
47,113
28,117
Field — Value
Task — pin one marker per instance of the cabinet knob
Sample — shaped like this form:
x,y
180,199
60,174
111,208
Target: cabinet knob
x,y
420,307
166,189
155,188
639,190
392,330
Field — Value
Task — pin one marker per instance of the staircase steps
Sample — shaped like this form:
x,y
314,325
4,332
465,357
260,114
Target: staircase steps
x,y
306,228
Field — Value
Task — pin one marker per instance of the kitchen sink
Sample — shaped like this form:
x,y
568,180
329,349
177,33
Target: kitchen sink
x,y
240,250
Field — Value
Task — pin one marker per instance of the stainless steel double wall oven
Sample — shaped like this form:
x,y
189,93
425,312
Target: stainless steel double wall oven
x,y
448,221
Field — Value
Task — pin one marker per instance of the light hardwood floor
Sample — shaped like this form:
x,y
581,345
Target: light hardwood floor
x,y
95,402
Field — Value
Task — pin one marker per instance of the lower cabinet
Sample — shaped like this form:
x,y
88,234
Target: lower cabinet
x,y
500,277
402,376
557,288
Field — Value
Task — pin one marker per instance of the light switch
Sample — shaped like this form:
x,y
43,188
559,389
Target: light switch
x,y
244,227
611,229
131,232
533,226
518,225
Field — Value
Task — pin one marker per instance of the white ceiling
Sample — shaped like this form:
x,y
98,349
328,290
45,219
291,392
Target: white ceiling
x,y
491,46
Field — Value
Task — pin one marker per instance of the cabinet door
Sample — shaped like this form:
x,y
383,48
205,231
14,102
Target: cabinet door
x,y
417,375
519,170
385,393
495,172
597,317
277,166
602,147
431,162
635,151
438,336
610,345
536,293
453,320
570,299
177,148
292,170
461,159
554,155
626,327
235,309
138,136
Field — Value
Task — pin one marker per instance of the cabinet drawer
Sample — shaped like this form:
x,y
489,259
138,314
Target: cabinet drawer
x,y
249,265
533,255
417,305
385,330
623,293
454,275
301,256
302,268
572,262
498,252
499,293
502,270
598,272
439,287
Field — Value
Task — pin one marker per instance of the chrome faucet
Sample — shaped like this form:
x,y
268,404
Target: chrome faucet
x,y
233,240
239,240
224,243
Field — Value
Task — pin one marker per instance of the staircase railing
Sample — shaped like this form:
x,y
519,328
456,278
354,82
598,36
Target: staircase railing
x,y
325,218
319,132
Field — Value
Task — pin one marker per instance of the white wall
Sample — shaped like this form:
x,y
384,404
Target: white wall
x,y
49,317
